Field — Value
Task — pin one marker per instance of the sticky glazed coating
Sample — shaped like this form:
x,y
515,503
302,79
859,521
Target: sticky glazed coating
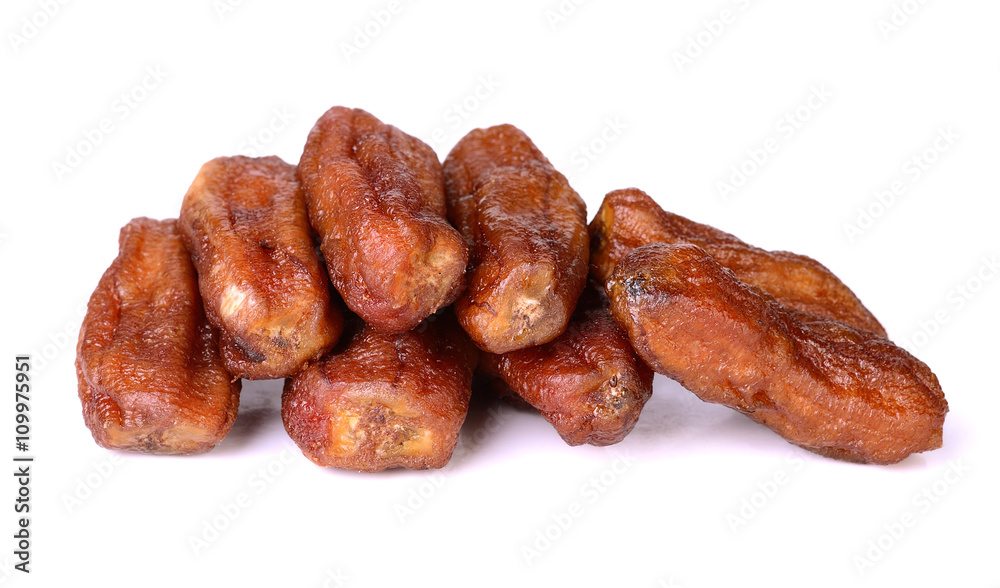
x,y
376,197
147,361
264,287
588,382
630,218
821,384
384,400
527,234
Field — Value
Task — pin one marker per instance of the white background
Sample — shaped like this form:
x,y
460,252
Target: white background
x,y
606,79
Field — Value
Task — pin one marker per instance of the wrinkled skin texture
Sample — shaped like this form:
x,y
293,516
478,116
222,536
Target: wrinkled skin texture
x,y
588,382
835,390
384,401
527,233
147,360
375,196
264,287
629,218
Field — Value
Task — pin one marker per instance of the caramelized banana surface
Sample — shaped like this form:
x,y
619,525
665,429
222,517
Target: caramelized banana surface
x,y
376,198
150,376
383,400
588,382
244,222
527,233
630,218
830,388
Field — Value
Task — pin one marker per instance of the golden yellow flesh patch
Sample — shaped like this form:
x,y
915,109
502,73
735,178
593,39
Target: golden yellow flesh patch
x,y
388,432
